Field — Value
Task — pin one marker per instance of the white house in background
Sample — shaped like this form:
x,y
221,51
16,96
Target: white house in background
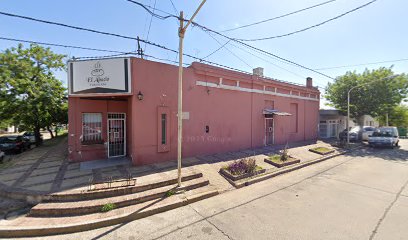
x,y
332,122
9,129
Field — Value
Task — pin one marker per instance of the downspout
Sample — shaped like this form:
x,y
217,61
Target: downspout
x,y
304,120
252,103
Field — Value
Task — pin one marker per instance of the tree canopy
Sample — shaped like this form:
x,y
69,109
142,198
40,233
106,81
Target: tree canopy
x,y
377,92
397,117
29,92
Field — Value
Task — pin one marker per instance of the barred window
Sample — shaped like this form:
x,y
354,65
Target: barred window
x,y
163,127
92,128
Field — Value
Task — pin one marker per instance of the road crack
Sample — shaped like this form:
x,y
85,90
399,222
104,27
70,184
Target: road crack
x,y
211,223
374,232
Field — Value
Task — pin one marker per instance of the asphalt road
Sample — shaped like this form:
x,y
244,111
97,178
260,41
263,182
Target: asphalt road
x,y
363,195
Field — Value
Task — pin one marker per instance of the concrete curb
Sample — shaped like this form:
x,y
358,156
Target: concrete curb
x,y
36,231
31,197
259,178
88,207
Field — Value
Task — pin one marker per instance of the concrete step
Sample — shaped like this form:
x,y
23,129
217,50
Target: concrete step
x,y
34,226
57,209
83,194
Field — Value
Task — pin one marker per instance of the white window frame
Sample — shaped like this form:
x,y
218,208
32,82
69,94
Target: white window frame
x,y
95,141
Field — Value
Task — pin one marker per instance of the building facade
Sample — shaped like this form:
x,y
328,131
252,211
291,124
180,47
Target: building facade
x,y
128,107
332,122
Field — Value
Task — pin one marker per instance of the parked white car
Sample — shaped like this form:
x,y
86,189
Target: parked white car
x,y
367,131
30,136
384,136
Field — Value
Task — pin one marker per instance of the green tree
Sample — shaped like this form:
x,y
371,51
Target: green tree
x,y
398,117
375,96
29,92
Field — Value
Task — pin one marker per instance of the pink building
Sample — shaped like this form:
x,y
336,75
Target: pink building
x,y
128,107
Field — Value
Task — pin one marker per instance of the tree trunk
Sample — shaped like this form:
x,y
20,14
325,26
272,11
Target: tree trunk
x,y
56,131
37,134
50,130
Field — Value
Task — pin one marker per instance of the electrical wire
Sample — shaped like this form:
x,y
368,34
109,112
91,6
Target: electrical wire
x,y
129,53
164,47
119,53
174,6
120,36
107,56
240,42
150,25
278,17
147,8
265,60
363,64
310,27
61,45
261,50
216,50
223,45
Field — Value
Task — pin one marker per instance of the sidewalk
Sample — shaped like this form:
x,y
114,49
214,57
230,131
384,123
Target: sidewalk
x,y
45,174
45,170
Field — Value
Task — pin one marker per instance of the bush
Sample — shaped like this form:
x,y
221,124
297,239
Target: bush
x,y
170,193
242,166
402,132
108,207
285,154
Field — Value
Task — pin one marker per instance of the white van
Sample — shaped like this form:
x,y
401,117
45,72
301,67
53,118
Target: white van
x,y
384,136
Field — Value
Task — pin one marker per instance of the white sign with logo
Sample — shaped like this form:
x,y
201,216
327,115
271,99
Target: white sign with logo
x,y
99,76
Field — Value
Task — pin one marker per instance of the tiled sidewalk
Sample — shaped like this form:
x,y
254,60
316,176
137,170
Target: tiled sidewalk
x,y
45,169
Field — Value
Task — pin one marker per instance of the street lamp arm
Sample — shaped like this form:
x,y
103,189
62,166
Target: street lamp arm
x,y
195,13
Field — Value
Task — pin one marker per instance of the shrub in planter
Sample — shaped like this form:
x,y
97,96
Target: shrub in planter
x,y
242,168
285,155
281,160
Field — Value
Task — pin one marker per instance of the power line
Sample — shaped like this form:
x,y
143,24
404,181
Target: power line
x,y
278,17
119,53
107,56
261,50
129,53
120,36
223,45
147,8
263,59
174,7
89,30
164,47
150,25
216,50
61,45
364,64
240,42
308,28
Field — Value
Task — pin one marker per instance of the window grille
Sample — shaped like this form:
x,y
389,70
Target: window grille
x,y
92,127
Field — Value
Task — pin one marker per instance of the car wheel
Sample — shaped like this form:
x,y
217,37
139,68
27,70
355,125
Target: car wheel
x,y
397,144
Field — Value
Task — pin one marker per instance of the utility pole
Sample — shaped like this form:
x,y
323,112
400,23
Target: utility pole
x,y
181,32
139,49
386,119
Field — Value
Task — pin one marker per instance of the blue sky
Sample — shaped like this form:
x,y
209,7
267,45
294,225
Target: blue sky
x,y
372,34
